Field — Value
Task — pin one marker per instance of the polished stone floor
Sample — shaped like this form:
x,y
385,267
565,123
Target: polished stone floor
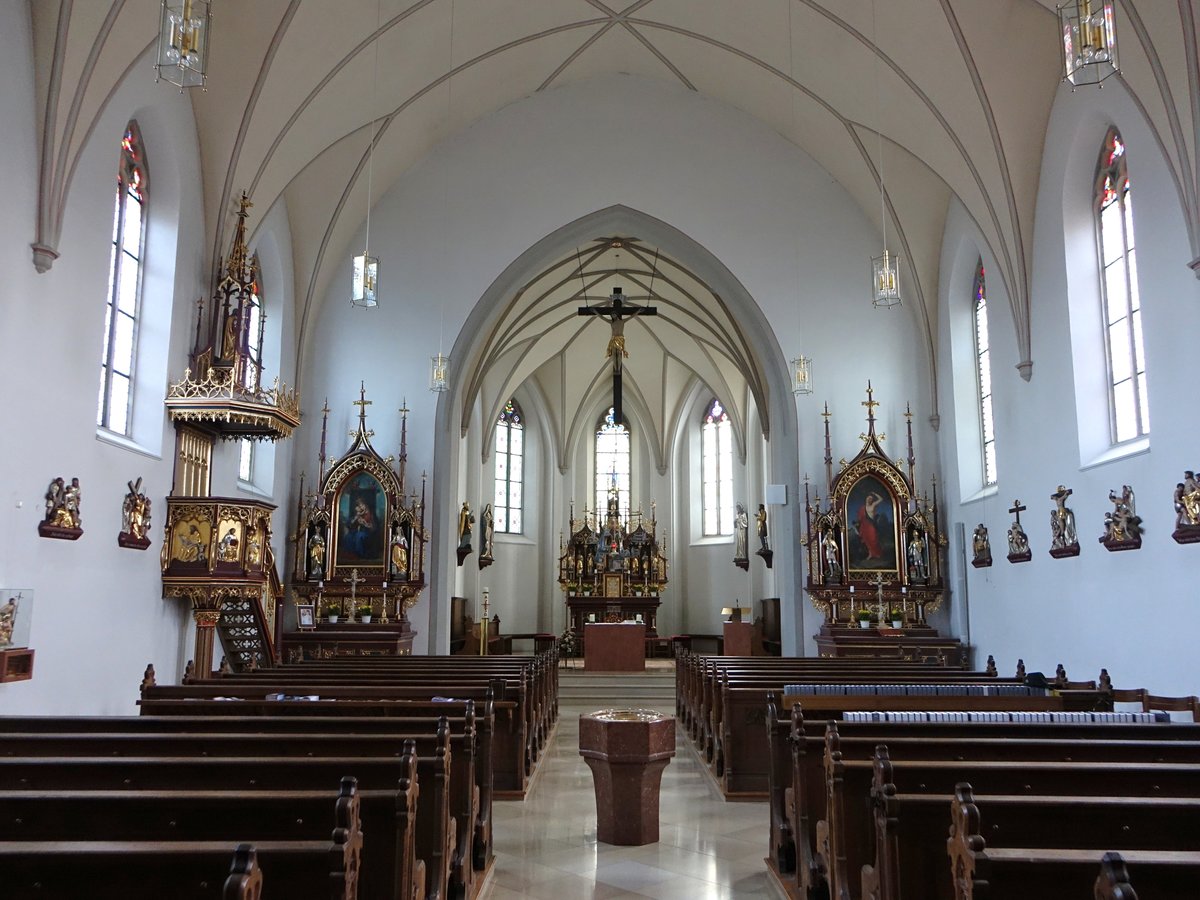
x,y
546,846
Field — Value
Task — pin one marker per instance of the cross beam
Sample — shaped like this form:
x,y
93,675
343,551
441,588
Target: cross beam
x,y
616,312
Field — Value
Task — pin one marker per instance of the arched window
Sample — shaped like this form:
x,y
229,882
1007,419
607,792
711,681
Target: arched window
x,y
1130,413
510,469
716,464
124,287
612,461
983,371
252,372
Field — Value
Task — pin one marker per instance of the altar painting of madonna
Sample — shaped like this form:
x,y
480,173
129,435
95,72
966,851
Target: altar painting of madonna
x,y
870,527
361,508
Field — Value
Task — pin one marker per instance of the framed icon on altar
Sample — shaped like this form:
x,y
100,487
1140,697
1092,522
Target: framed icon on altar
x,y
612,585
306,617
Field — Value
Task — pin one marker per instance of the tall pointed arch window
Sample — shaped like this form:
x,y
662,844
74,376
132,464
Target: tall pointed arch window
x,y
251,374
612,461
509,502
983,374
1122,308
121,309
716,464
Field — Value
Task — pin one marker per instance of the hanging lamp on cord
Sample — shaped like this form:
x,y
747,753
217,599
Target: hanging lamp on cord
x,y
439,365
885,268
801,365
1088,33
366,267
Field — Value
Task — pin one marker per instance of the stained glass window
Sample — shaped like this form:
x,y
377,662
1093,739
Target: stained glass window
x,y
983,372
121,309
509,502
716,463
612,462
1122,308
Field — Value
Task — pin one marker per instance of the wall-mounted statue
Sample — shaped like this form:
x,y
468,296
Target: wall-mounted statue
x,y
486,541
981,548
466,519
741,538
135,518
1064,539
1122,524
918,568
62,519
1018,540
1187,510
764,542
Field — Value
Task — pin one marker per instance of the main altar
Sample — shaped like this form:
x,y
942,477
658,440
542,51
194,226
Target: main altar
x,y
613,569
359,552
875,554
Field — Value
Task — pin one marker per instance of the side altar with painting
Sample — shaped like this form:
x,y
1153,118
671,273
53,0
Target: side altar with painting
x,y
359,552
613,569
875,554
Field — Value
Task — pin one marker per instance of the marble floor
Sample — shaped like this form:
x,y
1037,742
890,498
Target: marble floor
x,y
546,846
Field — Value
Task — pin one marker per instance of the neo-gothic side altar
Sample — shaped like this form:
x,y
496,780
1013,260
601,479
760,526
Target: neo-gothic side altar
x,y
875,555
613,570
359,552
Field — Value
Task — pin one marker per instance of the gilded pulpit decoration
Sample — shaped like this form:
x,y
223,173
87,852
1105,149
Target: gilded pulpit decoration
x,y
62,519
360,541
981,547
1018,541
764,543
223,388
1187,510
1122,524
1064,539
872,534
487,541
741,537
466,519
135,518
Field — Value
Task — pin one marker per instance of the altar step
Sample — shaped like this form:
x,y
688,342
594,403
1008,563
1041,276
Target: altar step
x,y
616,689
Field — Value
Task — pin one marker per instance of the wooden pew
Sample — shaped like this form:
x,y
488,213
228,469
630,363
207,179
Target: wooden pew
x,y
910,859
508,741
845,837
1054,873
797,794
186,868
472,847
434,828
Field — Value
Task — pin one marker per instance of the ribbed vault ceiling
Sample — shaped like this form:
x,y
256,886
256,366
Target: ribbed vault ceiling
x,y
539,336
960,91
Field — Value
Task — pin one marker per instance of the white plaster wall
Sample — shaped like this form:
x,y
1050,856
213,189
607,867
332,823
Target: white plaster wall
x,y
99,616
450,226
1130,612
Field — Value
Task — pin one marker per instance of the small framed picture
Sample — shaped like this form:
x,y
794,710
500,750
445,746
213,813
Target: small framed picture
x,y
306,616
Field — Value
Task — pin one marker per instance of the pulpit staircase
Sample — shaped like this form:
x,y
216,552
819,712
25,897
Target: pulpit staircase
x,y
247,627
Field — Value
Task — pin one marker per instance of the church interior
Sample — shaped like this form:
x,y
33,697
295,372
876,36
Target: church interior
x,y
480,326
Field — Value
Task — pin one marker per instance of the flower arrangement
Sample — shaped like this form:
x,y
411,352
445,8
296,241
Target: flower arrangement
x,y
364,610
896,614
863,615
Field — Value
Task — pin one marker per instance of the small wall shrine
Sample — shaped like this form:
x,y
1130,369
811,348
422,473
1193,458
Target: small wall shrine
x,y
360,551
875,554
614,568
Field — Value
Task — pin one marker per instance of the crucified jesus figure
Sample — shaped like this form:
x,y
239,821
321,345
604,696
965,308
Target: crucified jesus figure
x,y
617,312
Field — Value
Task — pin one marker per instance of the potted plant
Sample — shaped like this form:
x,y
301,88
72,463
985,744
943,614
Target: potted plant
x,y
864,618
332,610
364,613
897,617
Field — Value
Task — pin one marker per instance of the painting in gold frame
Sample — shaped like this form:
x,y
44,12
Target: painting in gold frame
x,y
871,517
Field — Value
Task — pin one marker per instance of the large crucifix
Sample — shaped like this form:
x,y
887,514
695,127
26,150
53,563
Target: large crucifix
x,y
617,312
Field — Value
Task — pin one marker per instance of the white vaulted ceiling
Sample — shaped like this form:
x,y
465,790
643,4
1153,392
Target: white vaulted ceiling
x,y
960,90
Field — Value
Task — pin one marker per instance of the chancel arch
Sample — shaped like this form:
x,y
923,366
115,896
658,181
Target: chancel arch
x,y
525,331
